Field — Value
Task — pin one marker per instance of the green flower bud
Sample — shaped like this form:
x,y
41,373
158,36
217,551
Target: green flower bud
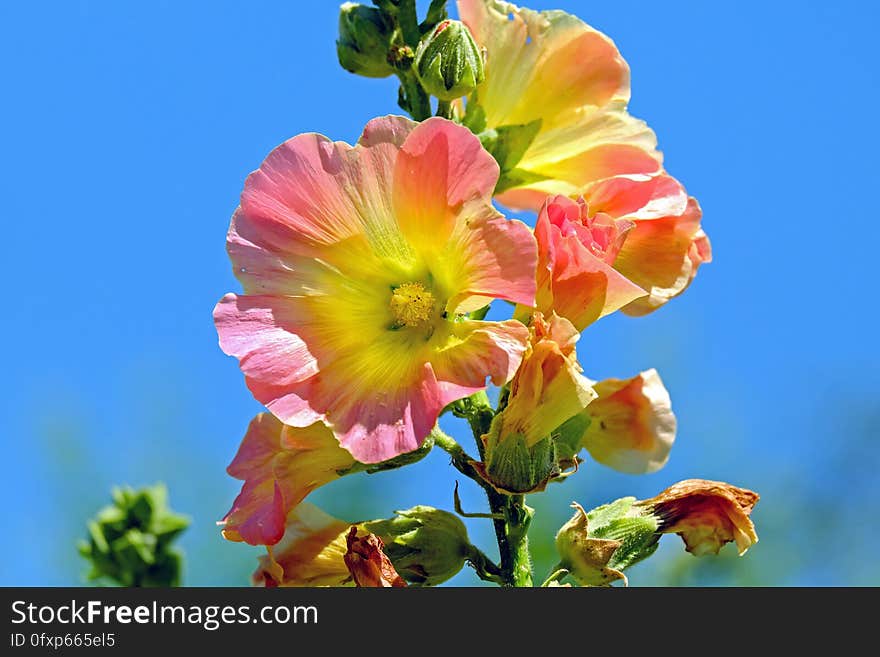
x,y
130,542
364,41
427,546
448,62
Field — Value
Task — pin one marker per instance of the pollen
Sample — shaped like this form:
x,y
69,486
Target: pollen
x,y
412,304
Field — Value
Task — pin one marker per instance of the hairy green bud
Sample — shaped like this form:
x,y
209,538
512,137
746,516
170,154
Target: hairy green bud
x,y
448,62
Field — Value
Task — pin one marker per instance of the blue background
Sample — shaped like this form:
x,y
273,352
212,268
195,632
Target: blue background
x,y
127,129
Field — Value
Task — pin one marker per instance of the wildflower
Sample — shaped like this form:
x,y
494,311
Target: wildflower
x,y
360,265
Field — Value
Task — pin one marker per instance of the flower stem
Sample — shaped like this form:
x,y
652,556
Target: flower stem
x,y
444,109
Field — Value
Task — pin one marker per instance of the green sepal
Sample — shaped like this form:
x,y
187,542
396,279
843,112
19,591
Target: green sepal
x,y
509,143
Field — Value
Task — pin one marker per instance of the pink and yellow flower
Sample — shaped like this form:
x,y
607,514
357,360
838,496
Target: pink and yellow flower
x,y
552,67
280,466
576,253
549,387
359,266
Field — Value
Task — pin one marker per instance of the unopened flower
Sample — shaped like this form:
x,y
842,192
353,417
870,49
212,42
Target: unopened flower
x,y
368,564
630,426
586,557
364,41
567,86
547,390
280,466
576,253
706,514
447,62
311,553
359,266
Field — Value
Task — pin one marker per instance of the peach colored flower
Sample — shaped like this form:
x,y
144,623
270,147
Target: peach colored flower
x,y
552,70
359,266
547,390
706,514
631,425
280,466
576,253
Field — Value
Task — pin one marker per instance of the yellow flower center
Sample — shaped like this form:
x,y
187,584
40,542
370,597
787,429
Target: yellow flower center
x,y
412,304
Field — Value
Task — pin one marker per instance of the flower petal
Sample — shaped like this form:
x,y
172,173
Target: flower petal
x,y
535,63
663,255
632,426
477,350
492,258
441,165
280,466
311,553
572,280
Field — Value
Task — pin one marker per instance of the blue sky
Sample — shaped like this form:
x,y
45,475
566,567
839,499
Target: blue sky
x,y
127,130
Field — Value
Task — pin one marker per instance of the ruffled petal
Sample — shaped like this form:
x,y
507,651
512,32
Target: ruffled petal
x,y
478,350
492,258
573,278
535,63
280,466
663,255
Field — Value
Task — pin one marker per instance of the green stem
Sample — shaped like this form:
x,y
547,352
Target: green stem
x,y
444,109
418,104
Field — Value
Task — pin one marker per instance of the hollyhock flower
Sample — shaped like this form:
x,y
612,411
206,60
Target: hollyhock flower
x,y
311,553
630,426
359,266
280,466
576,251
556,78
706,514
547,390
666,245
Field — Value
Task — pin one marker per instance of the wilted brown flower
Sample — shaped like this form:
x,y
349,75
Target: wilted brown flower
x,y
706,514
368,564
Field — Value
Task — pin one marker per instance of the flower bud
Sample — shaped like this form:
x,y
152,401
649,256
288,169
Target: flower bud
x,y
427,546
448,62
521,451
364,41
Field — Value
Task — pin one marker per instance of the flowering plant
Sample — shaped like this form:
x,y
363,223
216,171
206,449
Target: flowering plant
x,y
368,271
